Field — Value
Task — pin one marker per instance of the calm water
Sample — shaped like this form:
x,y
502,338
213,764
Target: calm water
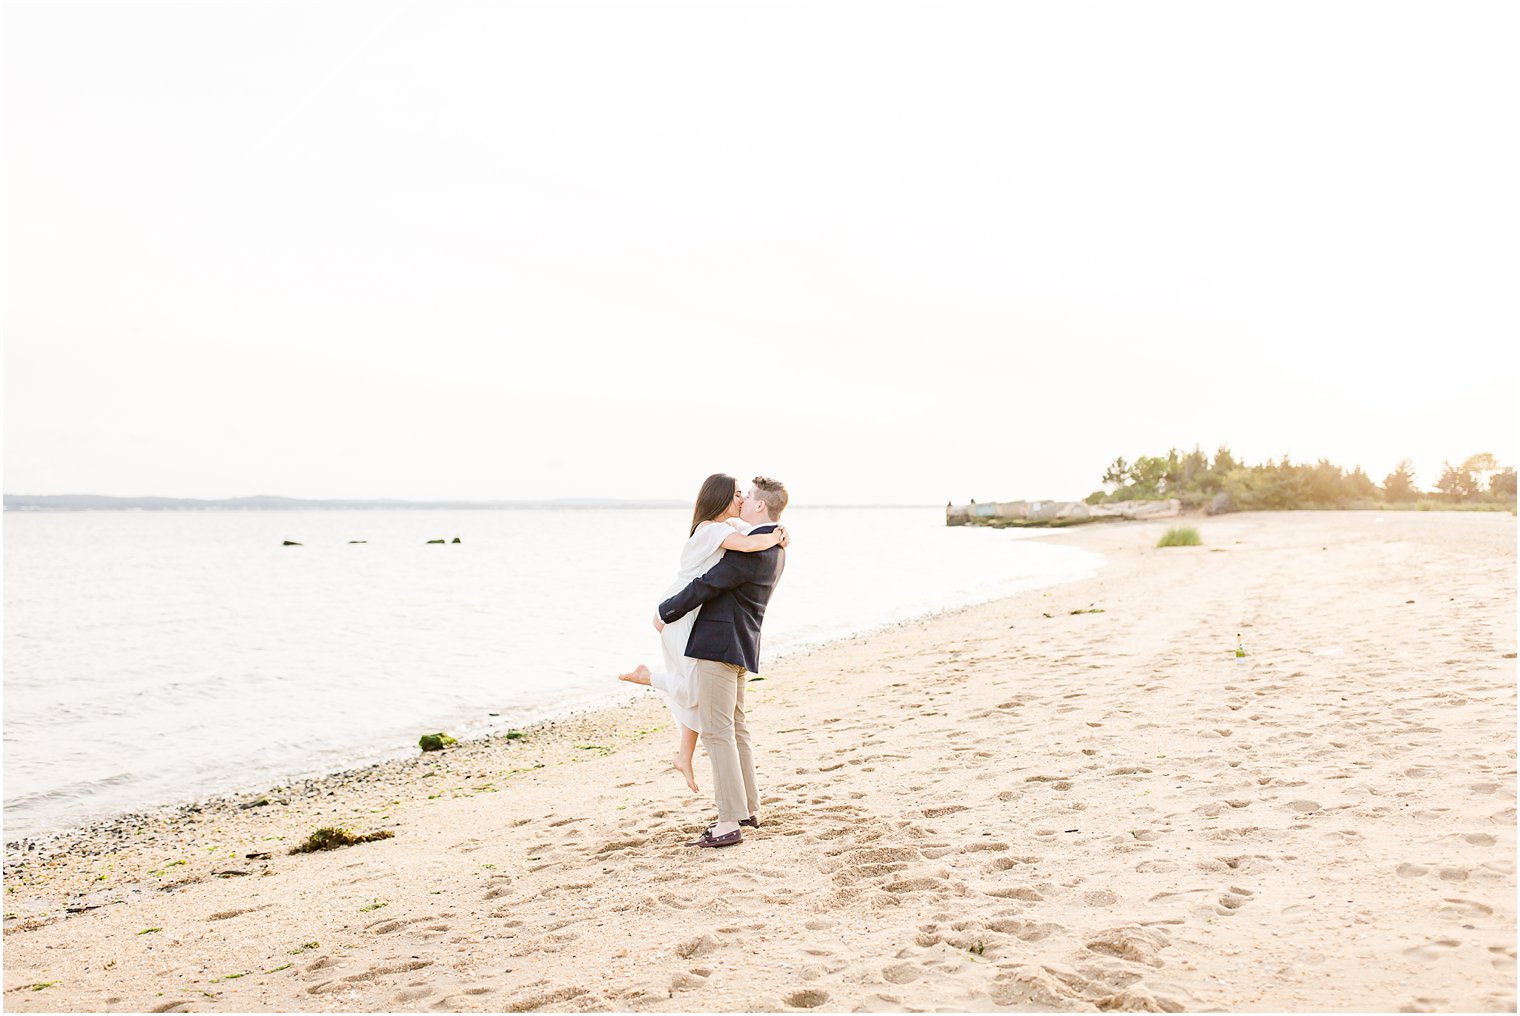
x,y
155,657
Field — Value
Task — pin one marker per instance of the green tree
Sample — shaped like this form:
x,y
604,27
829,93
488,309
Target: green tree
x,y
1117,474
1481,468
1358,486
1195,471
1224,461
1324,483
1465,482
1399,484
1283,483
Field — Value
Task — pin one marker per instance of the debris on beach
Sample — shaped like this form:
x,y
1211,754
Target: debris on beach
x,y
333,837
435,742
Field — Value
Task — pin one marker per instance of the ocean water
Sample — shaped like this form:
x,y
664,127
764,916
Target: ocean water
x,y
157,657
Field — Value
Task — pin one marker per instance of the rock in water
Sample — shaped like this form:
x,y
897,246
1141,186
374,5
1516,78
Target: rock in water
x,y
292,543
438,541
456,540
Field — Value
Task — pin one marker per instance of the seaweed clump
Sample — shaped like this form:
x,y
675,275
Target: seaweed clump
x,y
333,837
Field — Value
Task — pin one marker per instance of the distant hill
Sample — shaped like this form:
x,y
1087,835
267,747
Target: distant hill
x,y
267,502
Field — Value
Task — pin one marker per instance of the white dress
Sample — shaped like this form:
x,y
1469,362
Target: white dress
x,y
678,679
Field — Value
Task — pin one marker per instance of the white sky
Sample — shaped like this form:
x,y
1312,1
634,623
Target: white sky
x,y
884,251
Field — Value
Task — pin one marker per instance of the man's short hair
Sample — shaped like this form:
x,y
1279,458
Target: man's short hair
x,y
773,493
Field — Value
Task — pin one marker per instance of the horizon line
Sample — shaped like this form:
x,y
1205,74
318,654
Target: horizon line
x,y
252,500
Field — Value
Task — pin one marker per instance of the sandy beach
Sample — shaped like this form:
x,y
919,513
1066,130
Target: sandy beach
x,y
1074,799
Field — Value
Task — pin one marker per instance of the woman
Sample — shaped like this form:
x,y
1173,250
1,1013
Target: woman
x,y
715,528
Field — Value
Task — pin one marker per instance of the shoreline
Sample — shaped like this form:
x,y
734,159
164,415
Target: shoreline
x,y
552,731
113,825
1013,804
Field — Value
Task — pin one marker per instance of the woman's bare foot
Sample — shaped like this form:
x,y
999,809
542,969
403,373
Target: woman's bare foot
x,y
682,765
638,675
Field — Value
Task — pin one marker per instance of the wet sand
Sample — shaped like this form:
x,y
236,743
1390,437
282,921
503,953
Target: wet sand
x,y
1073,799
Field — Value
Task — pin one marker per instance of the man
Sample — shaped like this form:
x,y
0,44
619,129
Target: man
x,y
726,641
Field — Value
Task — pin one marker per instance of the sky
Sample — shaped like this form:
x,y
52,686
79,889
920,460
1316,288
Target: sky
x,y
886,252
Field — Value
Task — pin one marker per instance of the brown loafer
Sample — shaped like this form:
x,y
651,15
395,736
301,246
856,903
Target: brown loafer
x,y
707,839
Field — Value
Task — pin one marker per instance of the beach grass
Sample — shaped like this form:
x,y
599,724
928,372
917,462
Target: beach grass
x,y
1180,536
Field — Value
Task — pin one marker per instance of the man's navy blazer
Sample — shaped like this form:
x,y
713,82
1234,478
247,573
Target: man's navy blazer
x,y
732,594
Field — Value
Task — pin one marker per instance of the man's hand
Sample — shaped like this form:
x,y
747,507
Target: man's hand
x,y
658,624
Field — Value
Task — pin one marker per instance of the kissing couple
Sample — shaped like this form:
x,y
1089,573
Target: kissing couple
x,y
709,627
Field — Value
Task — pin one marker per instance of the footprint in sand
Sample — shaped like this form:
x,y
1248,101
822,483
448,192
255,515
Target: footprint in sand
x,y
1159,867
809,998
949,809
1138,945
913,885
386,969
223,915
1233,900
903,973
689,981
1023,893
1432,950
1456,909
540,999
699,945
1246,862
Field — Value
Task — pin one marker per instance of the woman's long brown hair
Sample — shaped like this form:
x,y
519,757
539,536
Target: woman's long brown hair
x,y
715,497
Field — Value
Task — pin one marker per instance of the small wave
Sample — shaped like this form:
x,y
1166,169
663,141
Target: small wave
x,y
76,791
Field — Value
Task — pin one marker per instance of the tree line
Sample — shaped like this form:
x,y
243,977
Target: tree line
x,y
1226,484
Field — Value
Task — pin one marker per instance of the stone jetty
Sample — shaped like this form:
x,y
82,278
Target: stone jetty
x,y
1055,513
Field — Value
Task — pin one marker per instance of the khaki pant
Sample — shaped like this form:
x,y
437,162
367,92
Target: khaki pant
x,y
725,735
